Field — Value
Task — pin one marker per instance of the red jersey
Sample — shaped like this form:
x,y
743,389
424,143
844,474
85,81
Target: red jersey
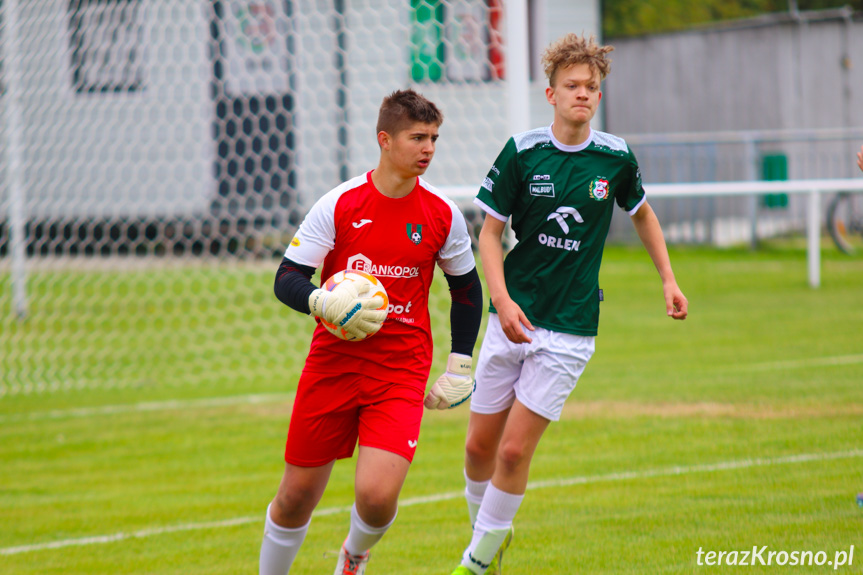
x,y
397,240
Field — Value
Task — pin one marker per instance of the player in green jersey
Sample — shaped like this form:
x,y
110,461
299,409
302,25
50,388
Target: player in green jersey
x,y
559,184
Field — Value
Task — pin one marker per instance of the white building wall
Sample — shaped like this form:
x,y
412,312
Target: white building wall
x,y
152,152
552,20
316,113
776,75
148,152
461,158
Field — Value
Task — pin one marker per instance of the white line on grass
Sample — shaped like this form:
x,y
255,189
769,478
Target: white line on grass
x,y
147,406
446,496
804,363
830,361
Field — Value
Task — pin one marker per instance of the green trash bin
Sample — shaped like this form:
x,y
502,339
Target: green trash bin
x,y
774,167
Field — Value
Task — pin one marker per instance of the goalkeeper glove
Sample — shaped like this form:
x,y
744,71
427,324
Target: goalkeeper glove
x,y
345,308
455,386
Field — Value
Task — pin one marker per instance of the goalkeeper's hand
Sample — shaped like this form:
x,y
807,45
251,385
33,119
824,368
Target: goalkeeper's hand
x,y
454,387
344,307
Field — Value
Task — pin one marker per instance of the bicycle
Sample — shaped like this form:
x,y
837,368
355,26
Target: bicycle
x,y
845,222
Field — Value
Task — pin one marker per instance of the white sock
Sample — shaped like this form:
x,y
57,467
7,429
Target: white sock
x,y
493,522
363,536
473,493
280,546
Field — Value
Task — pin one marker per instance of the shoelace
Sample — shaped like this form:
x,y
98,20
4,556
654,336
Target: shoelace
x,y
352,564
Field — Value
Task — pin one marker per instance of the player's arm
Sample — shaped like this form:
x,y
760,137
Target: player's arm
x,y
860,159
456,385
465,315
342,306
456,260
491,252
294,285
647,226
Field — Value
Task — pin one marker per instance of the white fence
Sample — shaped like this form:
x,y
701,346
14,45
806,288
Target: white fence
x,y
813,188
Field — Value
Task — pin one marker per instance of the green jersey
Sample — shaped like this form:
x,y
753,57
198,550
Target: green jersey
x,y
560,199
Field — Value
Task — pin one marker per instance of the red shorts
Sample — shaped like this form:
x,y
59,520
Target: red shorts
x,y
332,410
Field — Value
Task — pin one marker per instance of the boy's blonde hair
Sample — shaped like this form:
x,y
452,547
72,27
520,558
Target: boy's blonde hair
x,y
574,49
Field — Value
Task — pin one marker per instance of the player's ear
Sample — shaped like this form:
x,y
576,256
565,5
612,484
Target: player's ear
x,y
384,140
549,95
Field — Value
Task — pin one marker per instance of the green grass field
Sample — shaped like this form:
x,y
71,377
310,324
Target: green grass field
x,y
741,427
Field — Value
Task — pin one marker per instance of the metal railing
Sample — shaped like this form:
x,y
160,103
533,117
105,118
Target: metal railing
x,y
813,190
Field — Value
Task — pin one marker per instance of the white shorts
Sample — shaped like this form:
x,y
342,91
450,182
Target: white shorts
x,y
541,374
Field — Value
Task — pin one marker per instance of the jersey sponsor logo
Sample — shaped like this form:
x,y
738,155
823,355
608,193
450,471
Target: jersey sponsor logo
x,y
361,223
563,212
537,177
542,190
559,243
599,189
295,242
488,184
394,313
415,234
495,170
362,263
400,308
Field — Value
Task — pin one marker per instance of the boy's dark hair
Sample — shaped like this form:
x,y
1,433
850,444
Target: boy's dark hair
x,y
405,107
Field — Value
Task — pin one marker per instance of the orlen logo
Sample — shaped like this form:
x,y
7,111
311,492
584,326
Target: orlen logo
x,y
361,263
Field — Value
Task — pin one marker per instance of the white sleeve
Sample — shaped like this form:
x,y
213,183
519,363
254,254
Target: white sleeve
x,y
456,257
637,206
488,209
316,235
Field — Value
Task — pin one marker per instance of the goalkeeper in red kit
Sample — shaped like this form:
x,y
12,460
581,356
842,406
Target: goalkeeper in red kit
x,y
391,224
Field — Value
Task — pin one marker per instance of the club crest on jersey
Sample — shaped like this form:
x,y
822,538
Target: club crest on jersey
x,y
599,189
415,234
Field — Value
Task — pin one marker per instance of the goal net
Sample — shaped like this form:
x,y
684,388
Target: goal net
x,y
157,155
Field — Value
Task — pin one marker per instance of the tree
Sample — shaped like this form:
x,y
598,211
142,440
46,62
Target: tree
x,y
635,17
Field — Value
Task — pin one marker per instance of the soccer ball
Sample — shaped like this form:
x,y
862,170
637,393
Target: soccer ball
x,y
360,278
